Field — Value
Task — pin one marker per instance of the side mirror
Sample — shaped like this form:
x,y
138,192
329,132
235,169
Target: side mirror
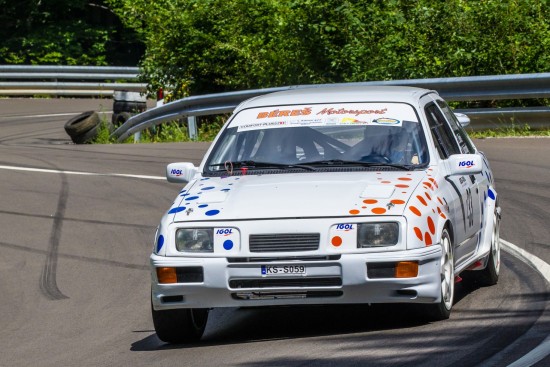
x,y
462,118
180,172
465,164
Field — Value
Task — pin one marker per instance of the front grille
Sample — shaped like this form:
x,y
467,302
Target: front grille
x,y
282,258
285,282
253,296
284,242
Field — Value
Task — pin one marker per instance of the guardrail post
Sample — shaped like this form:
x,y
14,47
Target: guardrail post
x,y
192,127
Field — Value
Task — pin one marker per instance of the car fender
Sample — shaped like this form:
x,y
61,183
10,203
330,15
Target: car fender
x,y
489,204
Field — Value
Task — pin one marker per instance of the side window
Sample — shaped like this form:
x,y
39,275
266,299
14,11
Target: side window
x,y
442,133
464,142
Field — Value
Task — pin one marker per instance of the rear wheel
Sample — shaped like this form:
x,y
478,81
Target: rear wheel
x,y
489,275
180,325
442,310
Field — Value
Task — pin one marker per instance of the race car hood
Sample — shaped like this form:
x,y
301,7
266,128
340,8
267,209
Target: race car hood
x,y
296,195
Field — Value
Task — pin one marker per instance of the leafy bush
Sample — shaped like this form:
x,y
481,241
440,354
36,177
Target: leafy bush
x,y
201,46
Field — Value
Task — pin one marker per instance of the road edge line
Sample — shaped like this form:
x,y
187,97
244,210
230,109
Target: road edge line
x,y
543,349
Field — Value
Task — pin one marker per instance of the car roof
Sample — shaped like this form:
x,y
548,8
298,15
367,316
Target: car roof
x,y
337,94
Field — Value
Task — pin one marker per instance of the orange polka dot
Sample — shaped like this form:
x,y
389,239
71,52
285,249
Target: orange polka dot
x,y
370,201
443,215
405,179
378,210
398,202
431,225
428,184
354,211
428,196
427,239
363,207
422,200
415,210
336,241
440,201
418,233
385,181
402,186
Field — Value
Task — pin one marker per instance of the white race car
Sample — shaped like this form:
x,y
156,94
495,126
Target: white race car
x,y
326,195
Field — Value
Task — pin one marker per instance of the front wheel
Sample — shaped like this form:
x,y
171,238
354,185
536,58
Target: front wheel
x,y
181,325
442,310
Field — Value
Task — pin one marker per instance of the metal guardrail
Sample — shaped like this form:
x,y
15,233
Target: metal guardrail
x,y
517,86
15,80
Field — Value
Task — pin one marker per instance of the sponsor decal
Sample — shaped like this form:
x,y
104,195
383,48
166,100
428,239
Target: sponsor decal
x,y
344,227
343,111
281,113
176,172
224,231
386,121
467,164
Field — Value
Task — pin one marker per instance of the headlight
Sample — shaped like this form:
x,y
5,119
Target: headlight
x,y
377,234
195,240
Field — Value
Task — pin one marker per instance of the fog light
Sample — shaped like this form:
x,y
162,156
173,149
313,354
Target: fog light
x,y
167,275
406,269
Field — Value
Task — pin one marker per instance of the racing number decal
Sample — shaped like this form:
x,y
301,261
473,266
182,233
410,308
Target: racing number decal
x,y
469,208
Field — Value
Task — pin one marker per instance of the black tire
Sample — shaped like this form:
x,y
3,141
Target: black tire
x,y
90,135
81,123
442,310
125,106
180,326
120,118
489,275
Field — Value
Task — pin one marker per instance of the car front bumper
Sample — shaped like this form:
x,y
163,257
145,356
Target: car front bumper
x,y
341,279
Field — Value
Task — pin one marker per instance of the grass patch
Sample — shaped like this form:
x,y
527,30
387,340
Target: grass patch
x,y
509,131
169,132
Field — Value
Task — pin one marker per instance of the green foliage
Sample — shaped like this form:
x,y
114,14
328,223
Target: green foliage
x,y
64,32
203,46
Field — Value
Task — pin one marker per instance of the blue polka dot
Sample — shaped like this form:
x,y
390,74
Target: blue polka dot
x,y
203,205
176,210
228,245
192,198
182,191
226,190
208,188
212,212
160,243
491,195
206,178
184,194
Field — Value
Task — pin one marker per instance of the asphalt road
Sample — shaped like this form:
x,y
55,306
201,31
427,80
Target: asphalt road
x,y
74,279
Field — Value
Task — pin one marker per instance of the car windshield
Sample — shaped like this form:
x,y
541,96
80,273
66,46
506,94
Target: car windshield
x,y
314,136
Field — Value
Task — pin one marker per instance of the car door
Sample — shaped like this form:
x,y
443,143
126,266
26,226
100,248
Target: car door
x,y
467,222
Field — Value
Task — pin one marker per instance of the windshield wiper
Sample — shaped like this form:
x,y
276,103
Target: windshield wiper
x,y
261,165
340,162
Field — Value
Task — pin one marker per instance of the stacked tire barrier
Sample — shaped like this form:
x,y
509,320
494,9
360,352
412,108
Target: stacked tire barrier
x,y
127,104
84,128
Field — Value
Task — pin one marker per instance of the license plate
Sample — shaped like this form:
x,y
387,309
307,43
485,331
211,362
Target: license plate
x,y
268,270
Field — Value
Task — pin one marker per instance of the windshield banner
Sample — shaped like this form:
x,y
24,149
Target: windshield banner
x,y
387,114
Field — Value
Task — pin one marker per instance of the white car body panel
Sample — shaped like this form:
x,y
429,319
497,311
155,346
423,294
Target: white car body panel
x,y
445,193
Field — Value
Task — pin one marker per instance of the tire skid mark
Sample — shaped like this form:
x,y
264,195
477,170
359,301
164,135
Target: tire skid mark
x,y
93,260
48,280
77,220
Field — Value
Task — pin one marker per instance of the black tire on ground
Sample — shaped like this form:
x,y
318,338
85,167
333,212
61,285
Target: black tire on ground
x,y
126,106
81,123
120,118
442,310
91,134
180,326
